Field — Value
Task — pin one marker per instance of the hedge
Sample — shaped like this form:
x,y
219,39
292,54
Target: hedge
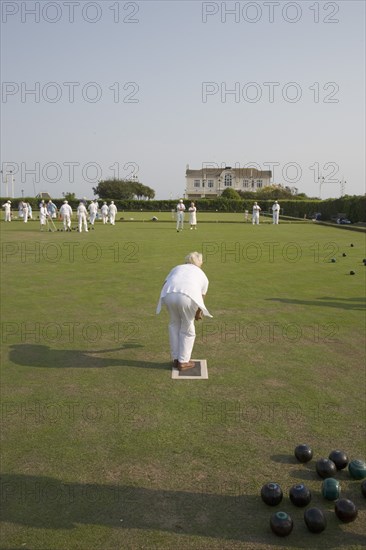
x,y
354,207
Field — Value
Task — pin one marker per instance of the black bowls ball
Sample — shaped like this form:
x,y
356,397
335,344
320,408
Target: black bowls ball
x,y
339,458
281,524
303,453
325,468
345,510
271,494
315,520
300,495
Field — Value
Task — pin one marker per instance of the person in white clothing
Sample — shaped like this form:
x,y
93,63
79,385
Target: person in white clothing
x,y
81,214
104,211
180,215
276,212
93,210
43,213
7,213
182,294
25,212
112,211
192,216
255,216
65,215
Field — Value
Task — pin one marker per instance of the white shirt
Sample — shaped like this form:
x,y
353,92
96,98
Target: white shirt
x,y
186,279
181,208
276,207
81,210
65,210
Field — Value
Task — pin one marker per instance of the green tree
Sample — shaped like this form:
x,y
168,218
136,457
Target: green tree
x,y
122,190
230,193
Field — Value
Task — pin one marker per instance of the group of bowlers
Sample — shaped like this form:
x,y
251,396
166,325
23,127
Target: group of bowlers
x,y
83,212
48,212
193,214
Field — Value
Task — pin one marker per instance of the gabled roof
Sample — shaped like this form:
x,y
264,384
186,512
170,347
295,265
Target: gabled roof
x,y
237,172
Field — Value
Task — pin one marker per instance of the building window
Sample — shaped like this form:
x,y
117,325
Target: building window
x,y
210,183
228,180
253,184
259,183
245,183
196,183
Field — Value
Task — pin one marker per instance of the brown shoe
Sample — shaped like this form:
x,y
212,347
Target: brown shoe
x,y
185,366
175,363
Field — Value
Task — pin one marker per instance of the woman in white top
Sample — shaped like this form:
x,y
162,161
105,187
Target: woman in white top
x,y
182,294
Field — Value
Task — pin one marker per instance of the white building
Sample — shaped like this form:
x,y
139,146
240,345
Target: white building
x,y
211,182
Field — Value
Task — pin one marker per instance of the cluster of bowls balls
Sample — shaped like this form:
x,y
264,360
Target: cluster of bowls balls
x,y
281,523
333,260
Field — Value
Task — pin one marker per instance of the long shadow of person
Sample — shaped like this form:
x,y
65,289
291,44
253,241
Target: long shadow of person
x,y
37,355
48,503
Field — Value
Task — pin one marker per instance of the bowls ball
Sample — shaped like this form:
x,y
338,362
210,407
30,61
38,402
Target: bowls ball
x,y
325,468
281,524
303,453
331,489
345,510
315,520
271,493
339,458
357,469
300,495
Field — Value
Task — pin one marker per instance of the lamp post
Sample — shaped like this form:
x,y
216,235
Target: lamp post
x,y
321,181
22,193
10,173
342,184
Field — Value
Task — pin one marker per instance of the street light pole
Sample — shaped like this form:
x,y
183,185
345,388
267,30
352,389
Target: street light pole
x,y
342,183
321,181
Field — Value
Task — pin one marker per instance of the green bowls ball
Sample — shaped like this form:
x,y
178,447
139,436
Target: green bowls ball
x,y
357,469
331,488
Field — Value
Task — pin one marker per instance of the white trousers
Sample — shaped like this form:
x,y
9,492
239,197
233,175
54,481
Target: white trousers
x,y
276,215
180,220
92,218
67,222
82,221
255,218
112,218
182,333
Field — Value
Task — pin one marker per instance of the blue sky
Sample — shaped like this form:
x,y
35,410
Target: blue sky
x,y
143,88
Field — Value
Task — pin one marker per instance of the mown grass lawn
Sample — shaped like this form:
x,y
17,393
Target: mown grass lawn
x,y
102,450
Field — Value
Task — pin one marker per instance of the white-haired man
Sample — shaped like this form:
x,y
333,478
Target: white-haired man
x,y
255,215
180,214
65,215
7,211
276,212
81,214
182,294
112,211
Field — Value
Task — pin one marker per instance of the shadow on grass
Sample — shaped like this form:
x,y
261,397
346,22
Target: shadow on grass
x,y
47,503
358,304
36,355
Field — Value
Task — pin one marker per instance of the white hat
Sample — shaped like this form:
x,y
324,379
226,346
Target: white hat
x,y
180,200
9,202
112,202
65,202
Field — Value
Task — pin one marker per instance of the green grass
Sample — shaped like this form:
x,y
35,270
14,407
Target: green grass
x,y
102,450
